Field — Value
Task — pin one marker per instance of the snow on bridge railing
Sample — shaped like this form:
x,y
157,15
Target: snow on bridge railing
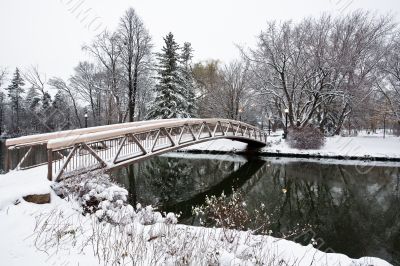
x,y
44,138
19,150
118,145
156,124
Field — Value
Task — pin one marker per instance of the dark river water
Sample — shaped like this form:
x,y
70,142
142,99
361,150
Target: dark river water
x,y
351,209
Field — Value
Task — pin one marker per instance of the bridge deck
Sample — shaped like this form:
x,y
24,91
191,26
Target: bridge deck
x,y
113,146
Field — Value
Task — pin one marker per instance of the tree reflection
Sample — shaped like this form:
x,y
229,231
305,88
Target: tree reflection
x,y
350,212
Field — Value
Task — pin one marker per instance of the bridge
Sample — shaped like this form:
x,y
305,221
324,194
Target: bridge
x,y
113,146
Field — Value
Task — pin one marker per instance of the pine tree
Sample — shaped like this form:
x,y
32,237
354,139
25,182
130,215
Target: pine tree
x,y
32,99
32,104
188,79
61,114
170,100
46,102
58,101
15,92
2,97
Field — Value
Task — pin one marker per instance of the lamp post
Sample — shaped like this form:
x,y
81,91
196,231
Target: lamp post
x,y
86,119
286,121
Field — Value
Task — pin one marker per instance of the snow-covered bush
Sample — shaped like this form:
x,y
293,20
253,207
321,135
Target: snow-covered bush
x,y
306,138
232,212
63,233
98,194
226,212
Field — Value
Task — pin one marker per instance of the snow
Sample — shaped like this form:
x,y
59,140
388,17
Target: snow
x,y
16,184
359,163
17,224
359,146
204,244
68,237
44,137
226,145
362,146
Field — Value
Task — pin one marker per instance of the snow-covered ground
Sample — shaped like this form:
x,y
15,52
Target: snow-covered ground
x,y
361,146
66,237
17,184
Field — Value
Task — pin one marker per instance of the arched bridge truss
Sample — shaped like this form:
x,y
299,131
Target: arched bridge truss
x,y
114,146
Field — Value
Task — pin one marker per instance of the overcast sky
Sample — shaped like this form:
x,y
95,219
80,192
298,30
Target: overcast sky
x,y
50,33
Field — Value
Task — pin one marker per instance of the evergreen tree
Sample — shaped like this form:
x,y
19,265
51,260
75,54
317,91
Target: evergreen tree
x,y
2,104
32,99
46,102
59,100
188,81
170,100
61,114
32,104
15,92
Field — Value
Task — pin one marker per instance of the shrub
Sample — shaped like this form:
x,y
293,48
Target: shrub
x,y
223,211
98,194
306,138
232,212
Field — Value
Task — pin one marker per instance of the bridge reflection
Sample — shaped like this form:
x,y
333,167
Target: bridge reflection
x,y
350,211
175,185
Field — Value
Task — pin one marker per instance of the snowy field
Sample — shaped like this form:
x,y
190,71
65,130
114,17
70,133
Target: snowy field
x,y
84,240
362,146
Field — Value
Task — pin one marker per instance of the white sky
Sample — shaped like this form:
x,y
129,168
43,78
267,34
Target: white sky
x,y
48,33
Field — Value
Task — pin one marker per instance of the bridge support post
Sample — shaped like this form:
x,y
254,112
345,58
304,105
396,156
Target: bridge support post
x,y
7,160
50,164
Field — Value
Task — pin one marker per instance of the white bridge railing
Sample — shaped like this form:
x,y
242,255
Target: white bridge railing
x,y
110,147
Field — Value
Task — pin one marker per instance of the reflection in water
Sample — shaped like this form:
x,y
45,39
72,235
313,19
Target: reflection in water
x,y
351,212
356,214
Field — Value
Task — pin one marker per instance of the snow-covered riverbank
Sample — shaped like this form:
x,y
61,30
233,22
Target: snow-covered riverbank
x,y
68,237
361,147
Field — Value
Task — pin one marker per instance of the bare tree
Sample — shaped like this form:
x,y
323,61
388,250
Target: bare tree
x,y
136,47
235,89
319,70
282,72
106,48
87,82
60,84
389,82
225,91
208,80
36,79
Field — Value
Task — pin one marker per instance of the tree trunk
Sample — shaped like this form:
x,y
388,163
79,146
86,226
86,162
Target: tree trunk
x,y
75,109
130,92
341,120
17,118
135,82
93,106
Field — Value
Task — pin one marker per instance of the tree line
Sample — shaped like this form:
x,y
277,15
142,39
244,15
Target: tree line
x,y
333,73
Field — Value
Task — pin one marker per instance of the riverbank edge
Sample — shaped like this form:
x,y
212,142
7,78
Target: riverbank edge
x,y
365,158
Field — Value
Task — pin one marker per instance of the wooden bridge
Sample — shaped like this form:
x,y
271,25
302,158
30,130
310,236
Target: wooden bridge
x,y
113,146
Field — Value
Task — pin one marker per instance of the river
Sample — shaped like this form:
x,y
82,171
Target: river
x,y
348,208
